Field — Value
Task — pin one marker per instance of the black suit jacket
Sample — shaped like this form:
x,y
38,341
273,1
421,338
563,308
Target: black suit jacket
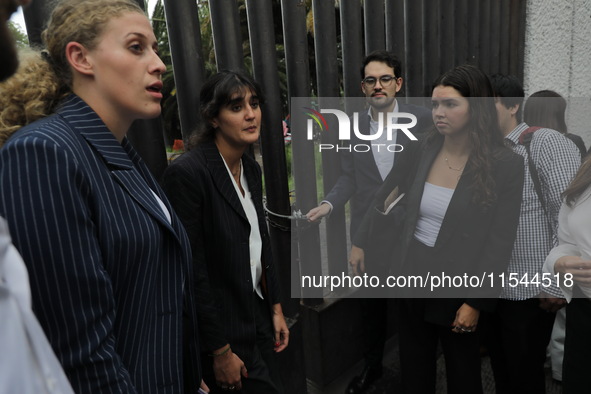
x,y
204,197
360,178
471,239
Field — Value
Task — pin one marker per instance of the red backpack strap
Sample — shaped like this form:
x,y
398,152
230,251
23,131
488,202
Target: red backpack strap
x,y
527,134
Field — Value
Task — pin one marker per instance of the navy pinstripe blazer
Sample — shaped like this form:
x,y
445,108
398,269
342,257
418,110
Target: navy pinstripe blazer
x,y
203,194
107,270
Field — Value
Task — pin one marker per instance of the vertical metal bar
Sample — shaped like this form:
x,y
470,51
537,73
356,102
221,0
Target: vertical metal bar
x,y
395,22
264,62
373,17
517,33
447,44
461,33
325,40
184,37
227,40
36,16
147,137
303,160
485,37
264,58
438,49
496,26
505,37
352,47
414,47
474,32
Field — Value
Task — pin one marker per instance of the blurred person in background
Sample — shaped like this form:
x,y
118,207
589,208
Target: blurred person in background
x,y
547,108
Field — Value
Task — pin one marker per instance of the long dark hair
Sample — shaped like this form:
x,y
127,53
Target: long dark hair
x,y
216,93
579,184
483,128
545,108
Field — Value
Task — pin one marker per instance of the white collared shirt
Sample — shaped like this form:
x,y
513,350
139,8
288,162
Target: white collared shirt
x,y
383,158
255,242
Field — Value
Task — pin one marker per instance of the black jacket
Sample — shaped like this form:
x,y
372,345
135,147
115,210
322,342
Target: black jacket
x,y
203,195
471,239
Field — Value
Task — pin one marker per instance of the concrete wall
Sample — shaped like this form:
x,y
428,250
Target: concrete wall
x,y
558,56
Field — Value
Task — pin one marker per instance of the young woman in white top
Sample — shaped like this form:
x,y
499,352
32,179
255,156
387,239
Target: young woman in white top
x,y
463,194
571,259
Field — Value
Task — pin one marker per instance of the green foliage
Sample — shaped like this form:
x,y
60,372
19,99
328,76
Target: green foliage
x,y
169,102
20,37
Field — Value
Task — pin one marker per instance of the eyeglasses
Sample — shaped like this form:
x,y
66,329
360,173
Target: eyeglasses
x,y
385,81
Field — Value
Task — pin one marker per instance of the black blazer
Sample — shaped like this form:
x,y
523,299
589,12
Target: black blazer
x,y
204,197
360,178
471,240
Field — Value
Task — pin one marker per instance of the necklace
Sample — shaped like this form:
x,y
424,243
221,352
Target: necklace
x,y
450,167
236,172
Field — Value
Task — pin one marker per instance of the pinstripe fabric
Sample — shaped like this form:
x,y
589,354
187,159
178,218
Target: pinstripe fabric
x,y
107,270
203,195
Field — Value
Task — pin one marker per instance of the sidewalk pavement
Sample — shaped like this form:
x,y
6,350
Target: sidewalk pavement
x,y
390,381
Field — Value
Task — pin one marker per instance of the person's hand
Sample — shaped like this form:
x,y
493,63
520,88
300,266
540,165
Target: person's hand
x,y
204,387
228,369
550,303
466,319
281,330
319,212
575,265
357,260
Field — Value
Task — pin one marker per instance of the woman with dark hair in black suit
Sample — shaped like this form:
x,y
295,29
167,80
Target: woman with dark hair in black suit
x,y
463,195
216,190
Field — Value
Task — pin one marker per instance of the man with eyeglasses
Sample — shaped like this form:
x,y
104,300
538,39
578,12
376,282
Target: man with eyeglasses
x,y
362,173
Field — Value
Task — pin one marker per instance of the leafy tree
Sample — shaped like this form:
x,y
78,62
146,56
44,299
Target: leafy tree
x,y
169,102
20,37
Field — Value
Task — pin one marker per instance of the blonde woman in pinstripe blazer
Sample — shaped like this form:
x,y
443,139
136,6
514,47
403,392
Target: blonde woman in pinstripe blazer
x,y
109,260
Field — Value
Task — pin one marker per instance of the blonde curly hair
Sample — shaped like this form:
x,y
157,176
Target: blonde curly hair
x,y
43,79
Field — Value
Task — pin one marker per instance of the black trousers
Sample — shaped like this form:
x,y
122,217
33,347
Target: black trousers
x,y
263,373
419,334
576,366
418,353
374,314
516,337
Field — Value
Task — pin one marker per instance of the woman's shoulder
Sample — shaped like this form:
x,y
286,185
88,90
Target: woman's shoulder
x,y
191,164
49,131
